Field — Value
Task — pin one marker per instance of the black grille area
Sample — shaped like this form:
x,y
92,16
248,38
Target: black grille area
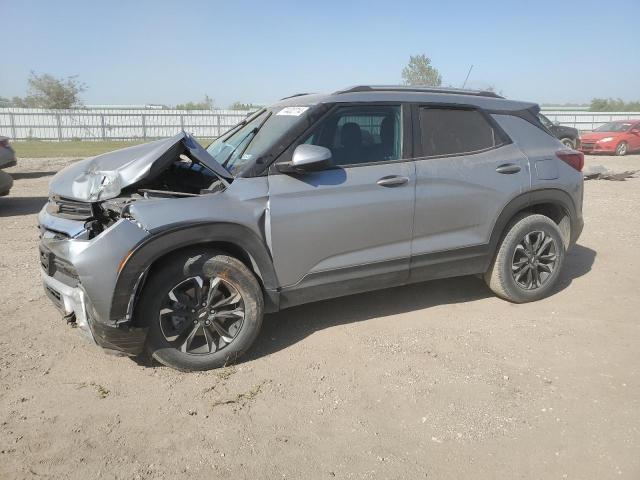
x,y
63,207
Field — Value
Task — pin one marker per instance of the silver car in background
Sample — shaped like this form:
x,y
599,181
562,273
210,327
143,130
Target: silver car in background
x,y
7,159
178,250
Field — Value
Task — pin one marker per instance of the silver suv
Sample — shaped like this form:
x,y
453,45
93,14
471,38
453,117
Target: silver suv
x,y
178,250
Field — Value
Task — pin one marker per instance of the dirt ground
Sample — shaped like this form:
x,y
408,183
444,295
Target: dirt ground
x,y
439,380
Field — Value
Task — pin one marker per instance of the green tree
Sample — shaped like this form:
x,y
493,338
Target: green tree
x,y
206,104
47,91
244,106
419,71
613,105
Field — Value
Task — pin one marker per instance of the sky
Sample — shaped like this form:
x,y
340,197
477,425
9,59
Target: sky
x,y
169,52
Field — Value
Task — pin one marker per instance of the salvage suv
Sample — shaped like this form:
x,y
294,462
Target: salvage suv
x,y
178,250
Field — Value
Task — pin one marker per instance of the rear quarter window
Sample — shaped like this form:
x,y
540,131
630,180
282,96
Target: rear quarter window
x,y
454,131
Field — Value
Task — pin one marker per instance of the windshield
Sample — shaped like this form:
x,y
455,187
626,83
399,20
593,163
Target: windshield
x,y
613,127
248,141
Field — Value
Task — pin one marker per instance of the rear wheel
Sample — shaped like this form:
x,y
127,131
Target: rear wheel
x,y
622,149
568,142
203,311
528,261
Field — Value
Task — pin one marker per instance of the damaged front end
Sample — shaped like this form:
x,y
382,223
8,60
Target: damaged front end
x,y
87,228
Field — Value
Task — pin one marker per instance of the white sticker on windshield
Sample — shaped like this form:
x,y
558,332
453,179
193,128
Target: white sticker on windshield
x,y
295,111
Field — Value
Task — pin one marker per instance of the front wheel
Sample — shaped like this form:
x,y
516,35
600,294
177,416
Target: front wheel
x,y
203,310
622,149
528,261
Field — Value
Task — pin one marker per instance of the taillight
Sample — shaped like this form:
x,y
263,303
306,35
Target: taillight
x,y
572,158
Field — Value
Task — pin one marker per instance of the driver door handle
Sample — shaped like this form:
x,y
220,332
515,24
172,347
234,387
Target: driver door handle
x,y
393,181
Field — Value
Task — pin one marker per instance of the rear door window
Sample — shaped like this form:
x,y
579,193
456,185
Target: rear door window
x,y
454,131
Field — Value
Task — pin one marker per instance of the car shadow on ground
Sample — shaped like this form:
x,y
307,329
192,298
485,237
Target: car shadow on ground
x,y
283,329
290,326
30,175
16,206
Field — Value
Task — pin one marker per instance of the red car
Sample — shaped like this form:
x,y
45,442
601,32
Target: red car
x,y
619,137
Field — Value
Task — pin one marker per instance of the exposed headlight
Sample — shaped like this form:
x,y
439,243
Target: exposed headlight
x,y
606,139
102,184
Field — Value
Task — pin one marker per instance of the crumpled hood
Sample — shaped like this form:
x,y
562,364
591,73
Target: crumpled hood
x,y
128,166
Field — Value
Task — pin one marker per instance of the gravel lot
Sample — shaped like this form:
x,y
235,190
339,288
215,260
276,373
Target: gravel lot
x,y
439,380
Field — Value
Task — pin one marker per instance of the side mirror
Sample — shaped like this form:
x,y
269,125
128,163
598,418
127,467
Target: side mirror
x,y
556,124
307,158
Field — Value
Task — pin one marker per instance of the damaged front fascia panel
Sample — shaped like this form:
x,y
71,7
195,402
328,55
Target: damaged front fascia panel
x,y
105,176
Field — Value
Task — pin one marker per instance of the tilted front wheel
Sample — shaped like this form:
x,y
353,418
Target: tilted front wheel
x,y
528,261
203,311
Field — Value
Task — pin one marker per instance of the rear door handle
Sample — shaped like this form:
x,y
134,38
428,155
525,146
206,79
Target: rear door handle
x,y
393,181
508,168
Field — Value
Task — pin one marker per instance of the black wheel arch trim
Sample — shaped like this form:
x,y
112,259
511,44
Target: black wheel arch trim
x,y
531,199
182,235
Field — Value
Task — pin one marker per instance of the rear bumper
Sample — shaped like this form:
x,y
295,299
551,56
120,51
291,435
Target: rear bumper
x,y
6,182
7,158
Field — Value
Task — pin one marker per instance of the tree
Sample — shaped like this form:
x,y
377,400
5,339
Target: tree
x,y
244,106
419,71
46,91
613,105
206,104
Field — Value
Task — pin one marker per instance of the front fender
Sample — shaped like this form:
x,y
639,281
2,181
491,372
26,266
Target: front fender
x,y
181,235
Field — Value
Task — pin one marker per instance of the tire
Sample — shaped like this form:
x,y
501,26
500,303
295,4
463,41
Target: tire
x,y
622,149
568,142
512,259
184,333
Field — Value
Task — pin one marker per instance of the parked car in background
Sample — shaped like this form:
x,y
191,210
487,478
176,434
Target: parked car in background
x,y
177,250
7,154
619,137
7,159
569,136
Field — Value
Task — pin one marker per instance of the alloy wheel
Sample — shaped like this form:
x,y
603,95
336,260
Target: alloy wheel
x,y
202,316
534,260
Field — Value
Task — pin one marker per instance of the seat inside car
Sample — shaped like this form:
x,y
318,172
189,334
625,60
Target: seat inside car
x,y
351,144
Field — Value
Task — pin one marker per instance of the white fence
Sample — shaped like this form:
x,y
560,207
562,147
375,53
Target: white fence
x,y
95,124
587,121
106,124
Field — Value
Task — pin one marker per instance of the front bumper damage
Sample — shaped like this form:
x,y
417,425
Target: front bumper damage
x,y
79,277
70,301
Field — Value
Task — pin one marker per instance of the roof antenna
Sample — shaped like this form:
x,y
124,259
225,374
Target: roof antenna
x,y
468,73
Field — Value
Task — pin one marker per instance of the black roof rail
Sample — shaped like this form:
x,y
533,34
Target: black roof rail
x,y
408,88
296,95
